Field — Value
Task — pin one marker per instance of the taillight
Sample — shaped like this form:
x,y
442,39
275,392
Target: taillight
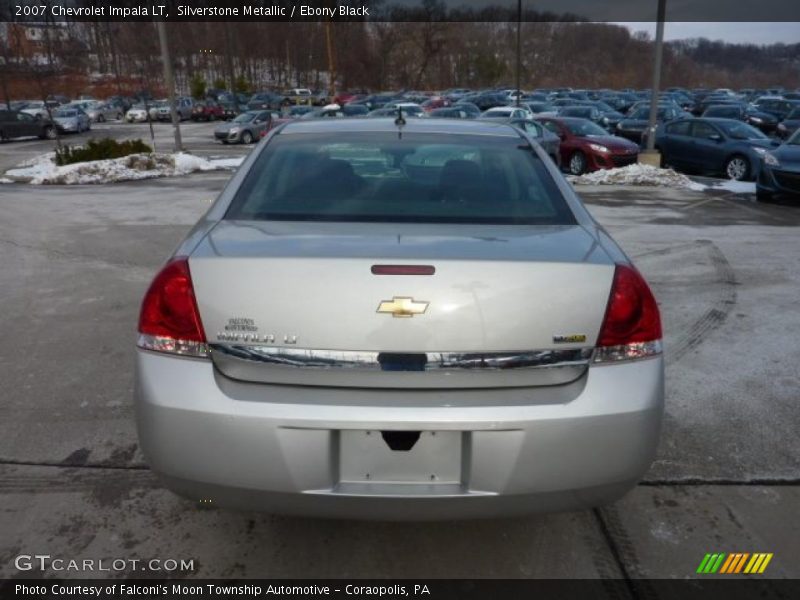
x,y
169,320
632,325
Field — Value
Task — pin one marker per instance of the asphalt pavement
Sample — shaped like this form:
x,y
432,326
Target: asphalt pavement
x,y
76,261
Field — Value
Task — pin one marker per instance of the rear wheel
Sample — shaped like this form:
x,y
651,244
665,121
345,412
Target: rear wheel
x,y
100,118
247,137
49,133
3,136
737,168
577,163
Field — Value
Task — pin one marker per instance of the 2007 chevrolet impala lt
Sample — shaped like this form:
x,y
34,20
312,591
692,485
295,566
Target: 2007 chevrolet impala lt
x,y
399,320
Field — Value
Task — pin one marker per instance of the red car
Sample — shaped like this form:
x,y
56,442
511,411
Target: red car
x,y
344,97
585,146
434,103
207,111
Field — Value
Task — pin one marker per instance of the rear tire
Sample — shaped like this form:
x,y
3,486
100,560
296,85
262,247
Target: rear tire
x,y
49,133
577,163
100,118
738,168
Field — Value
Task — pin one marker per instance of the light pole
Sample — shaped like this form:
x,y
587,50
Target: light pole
x,y
519,50
170,80
659,52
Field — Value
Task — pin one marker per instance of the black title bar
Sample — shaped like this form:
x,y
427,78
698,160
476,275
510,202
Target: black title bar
x,y
399,10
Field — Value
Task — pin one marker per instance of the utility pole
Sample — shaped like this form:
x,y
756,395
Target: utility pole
x,y
331,60
519,50
229,64
659,52
170,80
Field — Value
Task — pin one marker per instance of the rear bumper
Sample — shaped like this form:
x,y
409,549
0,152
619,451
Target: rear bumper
x,y
283,448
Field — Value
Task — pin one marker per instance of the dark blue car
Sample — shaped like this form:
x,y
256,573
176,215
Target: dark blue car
x,y
780,171
713,146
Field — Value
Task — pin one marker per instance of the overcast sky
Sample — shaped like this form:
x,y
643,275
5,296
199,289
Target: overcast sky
x,y
755,33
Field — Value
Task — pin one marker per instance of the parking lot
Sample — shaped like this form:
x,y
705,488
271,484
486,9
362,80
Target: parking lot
x,y
76,261
196,136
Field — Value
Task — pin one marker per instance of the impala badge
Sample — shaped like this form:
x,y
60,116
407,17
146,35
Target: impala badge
x,y
402,307
572,338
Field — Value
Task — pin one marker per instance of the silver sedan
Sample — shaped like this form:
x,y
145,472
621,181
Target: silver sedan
x,y
399,320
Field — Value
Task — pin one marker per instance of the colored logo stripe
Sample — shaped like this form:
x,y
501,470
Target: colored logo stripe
x,y
711,563
735,563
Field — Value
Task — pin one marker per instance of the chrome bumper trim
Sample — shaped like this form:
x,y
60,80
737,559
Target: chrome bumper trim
x,y
379,369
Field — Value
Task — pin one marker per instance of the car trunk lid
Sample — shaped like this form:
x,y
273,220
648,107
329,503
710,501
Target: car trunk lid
x,y
299,303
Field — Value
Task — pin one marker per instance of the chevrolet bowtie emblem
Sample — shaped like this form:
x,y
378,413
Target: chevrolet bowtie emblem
x,y
402,307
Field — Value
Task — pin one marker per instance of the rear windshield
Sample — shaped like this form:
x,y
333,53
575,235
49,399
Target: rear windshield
x,y
419,178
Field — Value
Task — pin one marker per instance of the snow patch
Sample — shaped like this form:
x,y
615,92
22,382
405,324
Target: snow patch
x,y
737,187
637,174
43,169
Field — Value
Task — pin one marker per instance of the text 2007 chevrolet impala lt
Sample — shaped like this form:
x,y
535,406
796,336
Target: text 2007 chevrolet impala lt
x,y
399,320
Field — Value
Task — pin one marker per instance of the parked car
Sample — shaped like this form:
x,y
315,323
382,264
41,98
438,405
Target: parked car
x,y
789,125
137,114
434,103
299,96
452,112
17,124
408,111
207,110
183,106
300,110
502,354
71,120
581,112
585,146
780,171
265,101
99,112
540,108
229,109
715,146
468,107
633,126
157,107
334,110
548,140
504,113
246,128
777,106
743,112
37,109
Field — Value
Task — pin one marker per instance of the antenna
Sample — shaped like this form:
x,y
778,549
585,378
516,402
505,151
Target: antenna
x,y
399,121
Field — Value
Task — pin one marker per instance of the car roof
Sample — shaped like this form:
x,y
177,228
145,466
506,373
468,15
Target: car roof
x,y
387,125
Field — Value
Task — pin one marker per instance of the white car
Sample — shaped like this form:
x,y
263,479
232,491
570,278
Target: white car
x,y
507,112
136,114
36,108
